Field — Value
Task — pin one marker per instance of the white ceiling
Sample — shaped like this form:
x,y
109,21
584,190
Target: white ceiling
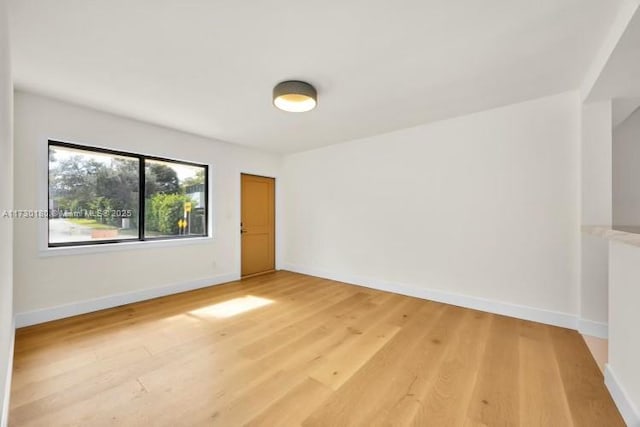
x,y
620,77
622,109
208,66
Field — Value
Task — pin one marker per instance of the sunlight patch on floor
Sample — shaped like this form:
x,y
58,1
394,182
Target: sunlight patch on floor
x,y
232,307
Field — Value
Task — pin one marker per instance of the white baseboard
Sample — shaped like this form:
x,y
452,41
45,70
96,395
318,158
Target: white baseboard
x,y
81,307
4,412
594,329
627,409
548,317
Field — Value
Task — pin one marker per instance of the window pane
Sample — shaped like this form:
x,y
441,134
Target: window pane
x,y
93,196
175,202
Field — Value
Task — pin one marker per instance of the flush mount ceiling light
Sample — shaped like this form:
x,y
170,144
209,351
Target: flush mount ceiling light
x,y
295,96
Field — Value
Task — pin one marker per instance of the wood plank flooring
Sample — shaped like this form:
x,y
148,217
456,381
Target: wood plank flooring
x,y
286,349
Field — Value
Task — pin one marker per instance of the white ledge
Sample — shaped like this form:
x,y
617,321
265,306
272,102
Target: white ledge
x,y
609,233
121,246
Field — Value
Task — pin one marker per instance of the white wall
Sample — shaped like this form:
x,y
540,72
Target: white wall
x,y
44,282
485,205
626,173
623,374
596,210
596,163
6,203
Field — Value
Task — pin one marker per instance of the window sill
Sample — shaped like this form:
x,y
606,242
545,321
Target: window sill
x,y
122,246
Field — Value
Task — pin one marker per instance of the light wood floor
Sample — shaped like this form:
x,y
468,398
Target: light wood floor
x,y
286,349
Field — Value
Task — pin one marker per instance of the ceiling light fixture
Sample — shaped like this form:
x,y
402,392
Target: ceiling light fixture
x,y
295,96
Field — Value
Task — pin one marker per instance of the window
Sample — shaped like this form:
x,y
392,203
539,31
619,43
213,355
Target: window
x,y
105,196
175,195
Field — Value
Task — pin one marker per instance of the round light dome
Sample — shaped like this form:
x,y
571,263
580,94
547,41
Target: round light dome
x,y
295,96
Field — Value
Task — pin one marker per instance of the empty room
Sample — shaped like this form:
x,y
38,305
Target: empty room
x,y
340,213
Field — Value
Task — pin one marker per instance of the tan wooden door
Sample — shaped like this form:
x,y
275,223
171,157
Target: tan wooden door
x,y
258,224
